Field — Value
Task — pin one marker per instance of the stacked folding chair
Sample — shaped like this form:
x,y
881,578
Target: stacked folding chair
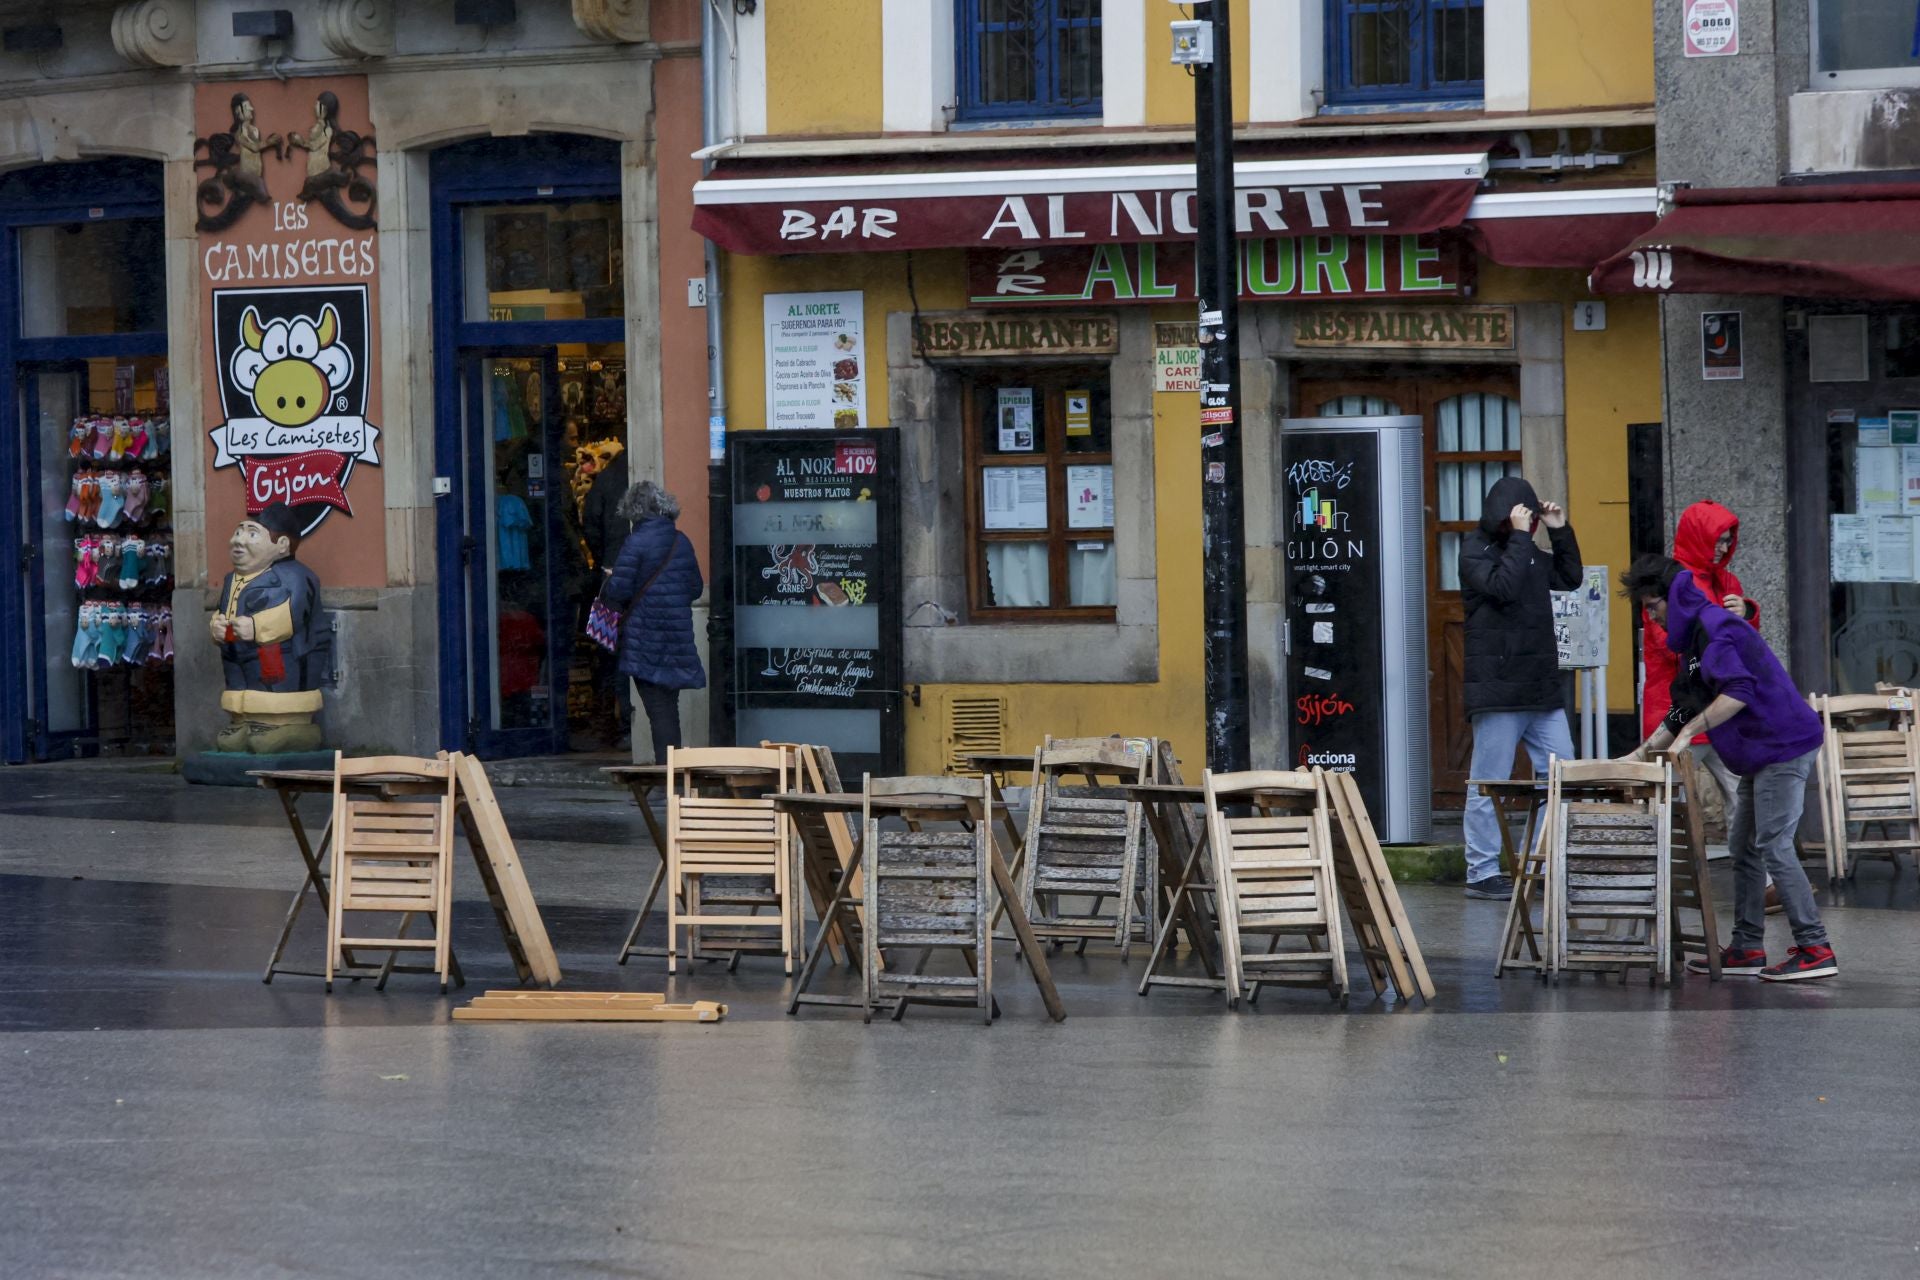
x,y
393,857
1088,874
1692,890
1276,876
746,844
1609,876
1869,778
927,892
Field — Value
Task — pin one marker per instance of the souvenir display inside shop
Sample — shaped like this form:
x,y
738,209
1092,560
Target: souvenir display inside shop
x,y
593,398
121,539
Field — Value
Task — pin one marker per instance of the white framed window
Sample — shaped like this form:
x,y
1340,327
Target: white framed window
x,y
1865,44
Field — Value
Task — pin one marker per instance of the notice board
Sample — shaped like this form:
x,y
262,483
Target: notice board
x,y
807,608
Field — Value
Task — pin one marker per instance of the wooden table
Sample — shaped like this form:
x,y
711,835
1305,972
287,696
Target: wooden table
x,y
643,780
914,809
1186,905
289,785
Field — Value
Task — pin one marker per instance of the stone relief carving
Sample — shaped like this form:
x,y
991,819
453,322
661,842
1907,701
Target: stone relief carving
x,y
357,28
616,21
155,33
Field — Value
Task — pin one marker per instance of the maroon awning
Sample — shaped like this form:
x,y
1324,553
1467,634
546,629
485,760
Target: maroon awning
x,y
1849,241
745,210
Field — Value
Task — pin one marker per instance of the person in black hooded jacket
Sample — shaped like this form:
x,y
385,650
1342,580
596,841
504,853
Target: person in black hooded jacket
x,y
1514,692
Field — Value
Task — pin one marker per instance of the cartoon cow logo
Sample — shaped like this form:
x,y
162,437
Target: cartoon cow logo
x,y
291,368
295,365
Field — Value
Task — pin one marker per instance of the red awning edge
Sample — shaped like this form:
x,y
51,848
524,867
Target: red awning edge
x,y
1854,241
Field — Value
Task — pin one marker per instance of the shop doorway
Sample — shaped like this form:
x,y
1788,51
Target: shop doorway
x,y
1471,438
531,375
85,526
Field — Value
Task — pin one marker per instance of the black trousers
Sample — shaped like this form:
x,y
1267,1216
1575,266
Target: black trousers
x,y
662,706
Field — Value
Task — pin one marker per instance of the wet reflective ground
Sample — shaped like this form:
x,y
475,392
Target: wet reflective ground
x,y
164,1113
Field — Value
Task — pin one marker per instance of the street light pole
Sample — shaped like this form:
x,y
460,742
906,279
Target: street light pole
x,y
1222,502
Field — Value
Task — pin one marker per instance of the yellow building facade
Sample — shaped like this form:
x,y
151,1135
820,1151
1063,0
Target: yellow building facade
x,y
872,156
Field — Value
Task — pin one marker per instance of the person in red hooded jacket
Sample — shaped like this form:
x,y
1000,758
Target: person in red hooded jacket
x,y
1704,542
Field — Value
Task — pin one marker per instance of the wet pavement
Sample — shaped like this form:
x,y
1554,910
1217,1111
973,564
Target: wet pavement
x,y
165,1113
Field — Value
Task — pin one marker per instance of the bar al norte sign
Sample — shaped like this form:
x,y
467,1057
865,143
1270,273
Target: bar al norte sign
x,y
966,333
1334,266
284,206
1469,328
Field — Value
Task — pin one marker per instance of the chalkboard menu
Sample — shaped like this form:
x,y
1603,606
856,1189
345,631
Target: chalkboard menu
x,y
808,599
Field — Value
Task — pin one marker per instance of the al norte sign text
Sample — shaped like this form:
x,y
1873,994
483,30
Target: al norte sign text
x,y
1481,328
965,333
1298,267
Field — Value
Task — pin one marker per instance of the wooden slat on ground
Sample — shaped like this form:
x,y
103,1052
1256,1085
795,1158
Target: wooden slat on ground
x,y
584,1006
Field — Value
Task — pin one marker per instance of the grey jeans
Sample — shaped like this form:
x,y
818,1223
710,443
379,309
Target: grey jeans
x,y
1761,839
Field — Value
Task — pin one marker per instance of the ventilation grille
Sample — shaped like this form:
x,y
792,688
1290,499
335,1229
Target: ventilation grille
x,y
974,725
1837,348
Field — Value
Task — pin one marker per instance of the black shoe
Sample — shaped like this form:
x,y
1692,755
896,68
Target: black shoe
x,y
1734,962
1493,889
1803,962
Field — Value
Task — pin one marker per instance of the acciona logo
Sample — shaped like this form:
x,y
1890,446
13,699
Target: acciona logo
x,y
1652,268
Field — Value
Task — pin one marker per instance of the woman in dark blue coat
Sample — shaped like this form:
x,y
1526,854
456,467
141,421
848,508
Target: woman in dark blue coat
x,y
655,580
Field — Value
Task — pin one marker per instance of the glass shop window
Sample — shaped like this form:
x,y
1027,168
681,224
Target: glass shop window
x,y
543,261
1040,495
1865,44
81,279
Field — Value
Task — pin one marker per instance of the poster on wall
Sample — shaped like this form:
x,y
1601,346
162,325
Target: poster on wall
x,y
1090,497
816,361
1903,426
1892,549
1711,28
1580,621
1721,356
1176,356
1877,480
1015,405
285,211
1013,497
1850,542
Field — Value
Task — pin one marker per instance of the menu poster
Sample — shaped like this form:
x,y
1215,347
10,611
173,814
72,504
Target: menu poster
x,y
1903,426
1892,549
1876,475
816,375
1851,541
1016,419
1090,497
1013,497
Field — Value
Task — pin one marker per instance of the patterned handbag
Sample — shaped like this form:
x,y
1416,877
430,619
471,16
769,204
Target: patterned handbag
x,y
603,620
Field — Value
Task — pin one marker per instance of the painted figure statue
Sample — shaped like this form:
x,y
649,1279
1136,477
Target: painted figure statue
x,y
273,638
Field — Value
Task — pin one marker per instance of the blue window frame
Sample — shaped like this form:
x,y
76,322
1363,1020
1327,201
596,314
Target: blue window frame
x,y
1382,52
1028,59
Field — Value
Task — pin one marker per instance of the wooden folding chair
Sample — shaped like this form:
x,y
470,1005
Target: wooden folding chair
x,y
1085,841
827,842
732,837
393,856
1609,864
1276,879
928,891
1374,910
1692,889
1869,778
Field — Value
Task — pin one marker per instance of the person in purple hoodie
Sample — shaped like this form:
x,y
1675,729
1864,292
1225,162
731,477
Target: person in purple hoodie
x,y
1729,684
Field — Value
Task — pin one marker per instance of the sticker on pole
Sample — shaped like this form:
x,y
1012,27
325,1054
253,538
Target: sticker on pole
x,y
1216,473
1221,416
1712,28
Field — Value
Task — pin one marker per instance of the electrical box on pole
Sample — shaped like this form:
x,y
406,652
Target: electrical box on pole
x,y
1192,42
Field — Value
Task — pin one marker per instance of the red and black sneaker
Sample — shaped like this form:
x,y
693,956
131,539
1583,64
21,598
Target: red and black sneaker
x,y
1803,962
1735,962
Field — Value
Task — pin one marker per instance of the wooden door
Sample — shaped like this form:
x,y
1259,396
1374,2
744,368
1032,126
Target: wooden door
x,y
1471,439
